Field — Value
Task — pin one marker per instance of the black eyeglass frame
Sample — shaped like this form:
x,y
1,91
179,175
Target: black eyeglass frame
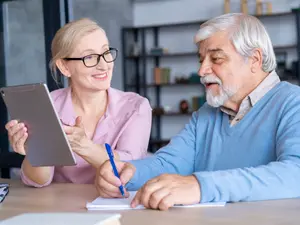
x,y
98,59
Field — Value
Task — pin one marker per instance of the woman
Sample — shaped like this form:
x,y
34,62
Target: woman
x,y
92,112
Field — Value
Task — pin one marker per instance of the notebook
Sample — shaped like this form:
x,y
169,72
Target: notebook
x,y
4,189
63,219
124,203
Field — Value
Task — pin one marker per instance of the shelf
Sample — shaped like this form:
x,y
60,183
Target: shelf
x,y
275,14
290,80
173,114
197,23
174,84
283,47
174,54
167,85
182,54
160,142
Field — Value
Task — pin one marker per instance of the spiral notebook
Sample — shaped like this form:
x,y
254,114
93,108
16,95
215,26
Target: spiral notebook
x,y
4,189
124,203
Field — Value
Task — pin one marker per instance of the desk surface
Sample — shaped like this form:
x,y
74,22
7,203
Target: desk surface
x,y
73,197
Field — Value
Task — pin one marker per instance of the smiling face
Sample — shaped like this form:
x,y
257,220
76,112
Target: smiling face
x,y
223,71
96,77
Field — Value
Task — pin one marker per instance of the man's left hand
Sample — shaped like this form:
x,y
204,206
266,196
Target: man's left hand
x,y
168,190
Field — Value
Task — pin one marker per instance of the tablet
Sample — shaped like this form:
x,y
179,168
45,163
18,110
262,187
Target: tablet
x,y
47,143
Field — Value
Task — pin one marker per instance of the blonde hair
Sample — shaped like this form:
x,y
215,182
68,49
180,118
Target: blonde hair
x,y
66,39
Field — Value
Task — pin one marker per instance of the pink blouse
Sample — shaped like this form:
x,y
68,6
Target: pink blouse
x,y
126,126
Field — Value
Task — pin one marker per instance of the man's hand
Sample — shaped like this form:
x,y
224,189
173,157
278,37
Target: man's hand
x,y
167,190
107,184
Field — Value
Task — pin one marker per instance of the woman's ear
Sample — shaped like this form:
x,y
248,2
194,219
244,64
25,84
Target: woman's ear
x,y
60,63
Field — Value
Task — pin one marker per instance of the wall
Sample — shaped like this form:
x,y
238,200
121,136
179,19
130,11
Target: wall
x,y
24,42
24,27
180,39
111,15
24,45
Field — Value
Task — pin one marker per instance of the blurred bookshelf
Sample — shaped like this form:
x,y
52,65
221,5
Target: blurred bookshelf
x,y
181,54
172,114
140,60
168,85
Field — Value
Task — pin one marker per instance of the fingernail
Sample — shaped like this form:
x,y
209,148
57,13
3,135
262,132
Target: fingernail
x,y
134,203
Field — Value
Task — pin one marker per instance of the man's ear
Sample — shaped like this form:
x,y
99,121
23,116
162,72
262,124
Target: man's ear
x,y
256,62
61,65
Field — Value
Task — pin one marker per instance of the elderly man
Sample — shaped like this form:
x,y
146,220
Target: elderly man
x,y
243,145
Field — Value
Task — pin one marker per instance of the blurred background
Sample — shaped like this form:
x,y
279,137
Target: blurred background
x,y
155,40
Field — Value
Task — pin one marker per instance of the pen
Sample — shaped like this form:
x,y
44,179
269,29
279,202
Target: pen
x,y
111,159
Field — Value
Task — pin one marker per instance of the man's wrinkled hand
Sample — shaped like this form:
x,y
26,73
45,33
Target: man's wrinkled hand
x,y
168,190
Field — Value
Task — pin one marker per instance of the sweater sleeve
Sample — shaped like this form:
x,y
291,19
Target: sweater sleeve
x,y
278,179
175,158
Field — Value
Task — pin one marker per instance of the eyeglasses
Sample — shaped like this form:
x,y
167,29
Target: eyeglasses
x,y
93,59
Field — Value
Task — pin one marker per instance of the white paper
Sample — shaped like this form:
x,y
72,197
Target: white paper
x,y
124,203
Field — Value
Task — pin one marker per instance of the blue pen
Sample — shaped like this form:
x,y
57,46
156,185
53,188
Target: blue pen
x,y
111,159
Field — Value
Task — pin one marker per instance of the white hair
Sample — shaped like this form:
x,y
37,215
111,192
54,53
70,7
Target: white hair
x,y
246,34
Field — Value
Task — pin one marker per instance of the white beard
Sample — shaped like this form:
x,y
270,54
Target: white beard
x,y
218,100
225,92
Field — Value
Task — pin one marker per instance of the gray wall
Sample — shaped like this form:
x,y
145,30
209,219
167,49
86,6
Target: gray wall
x,y
24,37
111,15
24,42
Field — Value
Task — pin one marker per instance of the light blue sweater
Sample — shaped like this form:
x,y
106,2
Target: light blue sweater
x,y
257,159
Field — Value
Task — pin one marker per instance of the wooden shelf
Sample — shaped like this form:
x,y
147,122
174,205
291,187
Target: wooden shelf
x,y
182,54
173,114
289,79
173,84
284,47
168,85
274,15
159,142
197,23
171,54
